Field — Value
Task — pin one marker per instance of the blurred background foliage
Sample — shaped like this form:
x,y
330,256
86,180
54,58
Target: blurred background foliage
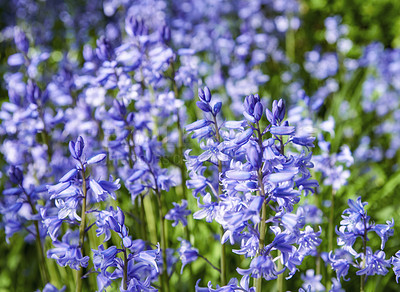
x,y
368,21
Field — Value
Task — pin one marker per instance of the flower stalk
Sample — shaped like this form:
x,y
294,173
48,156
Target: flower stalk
x,y
223,250
82,228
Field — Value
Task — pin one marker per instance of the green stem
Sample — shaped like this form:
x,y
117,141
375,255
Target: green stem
x,y
181,162
208,262
290,41
142,218
362,280
44,134
330,235
180,141
262,227
280,276
318,257
125,280
165,279
280,266
223,251
82,228
42,259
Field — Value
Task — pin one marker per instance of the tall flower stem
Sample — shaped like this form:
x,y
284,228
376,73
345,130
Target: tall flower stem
x,y
210,263
181,162
280,265
318,256
330,234
223,251
82,229
44,133
142,218
180,132
125,279
42,260
165,279
290,40
362,280
262,226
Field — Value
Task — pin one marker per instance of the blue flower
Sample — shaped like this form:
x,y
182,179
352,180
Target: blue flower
x,y
209,209
178,213
213,152
261,266
395,261
340,265
187,253
67,252
384,231
313,281
375,263
50,288
104,258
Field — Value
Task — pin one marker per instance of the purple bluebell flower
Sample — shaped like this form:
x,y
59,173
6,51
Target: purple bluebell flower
x,y
395,261
209,209
336,286
68,252
232,286
104,258
178,213
375,263
187,253
21,41
340,265
313,281
261,266
51,288
16,175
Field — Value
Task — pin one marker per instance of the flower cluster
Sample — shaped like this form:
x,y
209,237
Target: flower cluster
x,y
254,173
356,224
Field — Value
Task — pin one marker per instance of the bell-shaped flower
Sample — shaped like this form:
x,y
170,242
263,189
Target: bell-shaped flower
x,y
178,213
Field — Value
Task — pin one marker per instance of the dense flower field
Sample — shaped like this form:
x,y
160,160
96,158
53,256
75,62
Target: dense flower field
x,y
157,145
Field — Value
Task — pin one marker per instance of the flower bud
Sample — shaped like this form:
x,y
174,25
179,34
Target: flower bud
x,y
258,111
16,175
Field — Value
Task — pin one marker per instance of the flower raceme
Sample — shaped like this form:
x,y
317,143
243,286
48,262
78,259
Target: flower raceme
x,y
255,173
356,224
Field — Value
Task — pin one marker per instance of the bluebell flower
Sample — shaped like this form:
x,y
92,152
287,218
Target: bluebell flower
x,y
340,265
15,174
104,258
232,286
384,231
395,261
178,213
336,286
50,288
209,209
261,266
21,41
187,253
313,281
356,224
249,245
321,66
309,240
213,152
375,263
68,252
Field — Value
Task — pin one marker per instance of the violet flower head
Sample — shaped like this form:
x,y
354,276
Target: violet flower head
x,y
67,252
178,213
356,224
21,41
312,282
187,253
